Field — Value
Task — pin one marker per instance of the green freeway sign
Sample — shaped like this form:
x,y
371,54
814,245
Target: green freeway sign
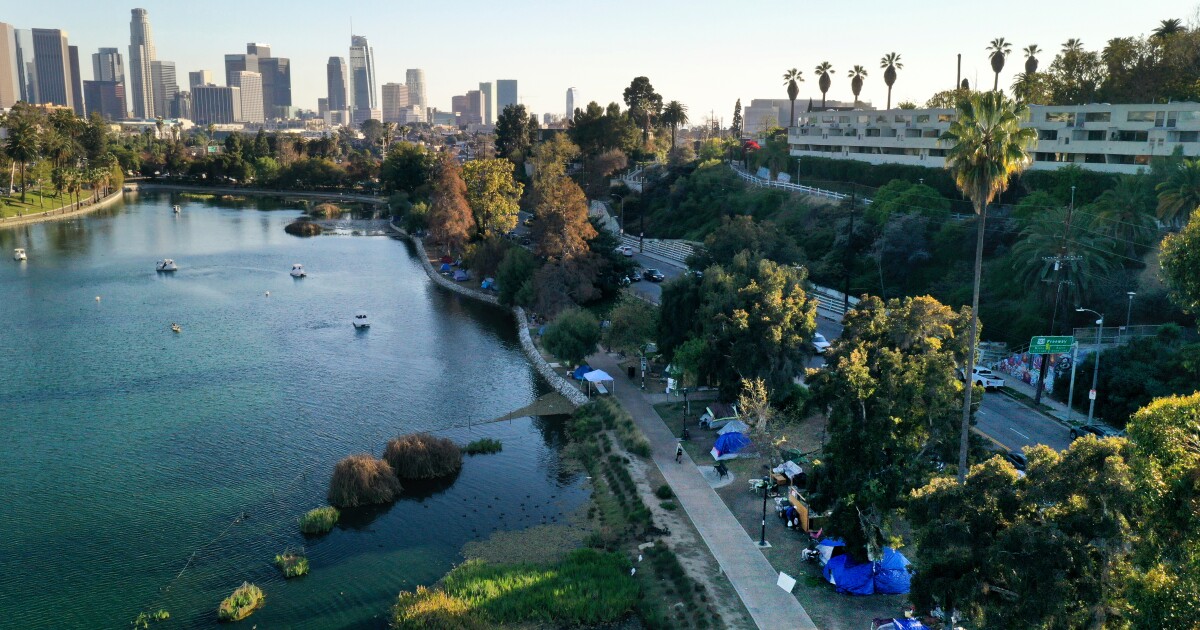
x,y
1050,345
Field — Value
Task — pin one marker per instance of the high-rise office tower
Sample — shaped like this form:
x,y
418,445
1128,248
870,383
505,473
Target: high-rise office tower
x,y
182,107
26,66
239,63
506,93
277,85
199,77
107,65
258,50
395,101
362,75
216,104
572,102
322,106
337,82
10,88
76,80
106,98
414,78
488,97
474,112
52,66
166,86
141,53
250,87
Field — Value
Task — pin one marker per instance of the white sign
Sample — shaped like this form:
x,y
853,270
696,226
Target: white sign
x,y
1091,394
786,582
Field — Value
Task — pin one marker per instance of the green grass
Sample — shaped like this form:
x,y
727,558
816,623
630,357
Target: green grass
x,y
319,520
483,446
244,600
292,563
11,205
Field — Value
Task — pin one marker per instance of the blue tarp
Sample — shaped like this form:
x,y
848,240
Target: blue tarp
x,y
460,275
488,283
889,576
580,371
908,624
892,576
730,443
832,542
444,267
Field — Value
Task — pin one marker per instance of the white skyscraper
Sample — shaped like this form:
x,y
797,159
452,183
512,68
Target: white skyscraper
x,y
250,84
166,86
572,102
395,101
487,95
141,54
362,74
415,80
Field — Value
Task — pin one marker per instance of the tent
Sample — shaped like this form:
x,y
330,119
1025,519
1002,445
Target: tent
x,y
734,426
888,576
849,576
597,379
717,415
461,275
900,624
827,547
580,371
488,283
445,267
891,574
728,445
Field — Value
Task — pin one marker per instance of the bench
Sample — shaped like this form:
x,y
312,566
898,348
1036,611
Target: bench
x,y
600,388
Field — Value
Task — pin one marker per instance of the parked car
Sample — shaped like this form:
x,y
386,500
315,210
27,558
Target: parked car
x,y
1016,459
625,250
1099,430
635,275
527,222
984,378
820,343
653,275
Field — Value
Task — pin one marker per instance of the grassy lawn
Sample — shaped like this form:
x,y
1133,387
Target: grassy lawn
x,y
828,609
11,205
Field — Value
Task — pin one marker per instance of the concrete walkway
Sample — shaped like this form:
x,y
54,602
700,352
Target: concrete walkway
x,y
748,570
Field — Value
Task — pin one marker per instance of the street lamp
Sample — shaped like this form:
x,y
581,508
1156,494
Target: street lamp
x,y
762,541
1096,370
620,213
1129,310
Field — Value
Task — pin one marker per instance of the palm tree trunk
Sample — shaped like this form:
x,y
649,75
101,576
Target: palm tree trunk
x,y
792,120
889,104
968,385
24,185
996,83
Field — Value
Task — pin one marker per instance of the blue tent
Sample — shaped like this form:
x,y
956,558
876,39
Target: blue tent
x,y
851,577
580,371
488,283
891,574
728,445
460,275
444,267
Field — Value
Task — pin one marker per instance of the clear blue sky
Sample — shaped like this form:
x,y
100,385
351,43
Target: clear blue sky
x,y
704,53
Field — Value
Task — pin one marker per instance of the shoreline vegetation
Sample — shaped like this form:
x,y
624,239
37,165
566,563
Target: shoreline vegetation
x,y
319,520
64,212
242,603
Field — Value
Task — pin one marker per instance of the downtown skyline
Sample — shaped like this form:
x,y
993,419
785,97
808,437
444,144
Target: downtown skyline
x,y
678,51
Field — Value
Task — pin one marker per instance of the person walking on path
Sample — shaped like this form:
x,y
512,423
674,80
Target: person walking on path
x,y
678,453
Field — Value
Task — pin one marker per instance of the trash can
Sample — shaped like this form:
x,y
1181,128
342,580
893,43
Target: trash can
x,y
632,372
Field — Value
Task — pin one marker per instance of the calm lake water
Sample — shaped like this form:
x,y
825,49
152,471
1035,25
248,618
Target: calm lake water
x,y
130,452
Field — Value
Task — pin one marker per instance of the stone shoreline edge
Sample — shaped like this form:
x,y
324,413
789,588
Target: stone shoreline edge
x,y
48,215
560,384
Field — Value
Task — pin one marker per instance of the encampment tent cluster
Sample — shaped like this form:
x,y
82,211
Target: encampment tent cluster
x,y
887,576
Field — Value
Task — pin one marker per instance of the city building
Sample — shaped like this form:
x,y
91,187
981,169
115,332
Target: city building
x,y
108,65
277,85
106,98
76,80
141,54
473,114
395,101
322,106
572,102
458,105
362,77
487,94
337,82
239,63
166,86
26,66
250,88
216,105
199,77
182,107
260,51
414,78
362,115
1100,137
10,87
52,68
337,118
506,94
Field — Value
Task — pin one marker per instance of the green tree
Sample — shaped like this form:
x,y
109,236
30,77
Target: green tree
x,y
674,115
516,133
743,234
515,277
493,195
266,170
1032,88
791,79
1031,61
1179,195
372,131
735,126
890,64
948,99
825,71
406,168
988,147
1076,74
450,219
572,336
1181,265
23,124
1051,235
1167,28
645,105
1125,214
631,325
857,74
998,52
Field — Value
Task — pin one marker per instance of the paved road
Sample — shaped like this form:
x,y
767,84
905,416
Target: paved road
x,y
1013,425
653,290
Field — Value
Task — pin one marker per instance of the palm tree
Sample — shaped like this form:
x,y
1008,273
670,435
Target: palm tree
x,y
1179,195
857,74
890,64
1072,45
1124,213
389,130
825,71
1044,239
22,143
675,114
1167,28
989,146
1031,60
999,50
790,79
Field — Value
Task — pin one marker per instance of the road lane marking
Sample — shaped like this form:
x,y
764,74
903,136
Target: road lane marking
x,y
1019,433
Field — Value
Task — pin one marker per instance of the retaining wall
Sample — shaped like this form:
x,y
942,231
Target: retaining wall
x,y
63,212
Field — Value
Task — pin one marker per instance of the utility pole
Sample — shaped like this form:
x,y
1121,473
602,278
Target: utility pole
x,y
1058,261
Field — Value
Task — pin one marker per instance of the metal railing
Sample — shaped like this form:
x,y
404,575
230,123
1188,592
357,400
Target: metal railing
x,y
800,188
1113,335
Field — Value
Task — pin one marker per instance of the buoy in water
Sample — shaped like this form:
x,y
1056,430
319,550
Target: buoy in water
x,y
268,294
97,298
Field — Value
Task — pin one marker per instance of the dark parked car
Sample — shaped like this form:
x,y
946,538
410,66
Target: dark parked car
x,y
1098,430
1016,459
653,275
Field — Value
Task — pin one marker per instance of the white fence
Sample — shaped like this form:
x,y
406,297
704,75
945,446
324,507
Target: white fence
x,y
807,190
674,250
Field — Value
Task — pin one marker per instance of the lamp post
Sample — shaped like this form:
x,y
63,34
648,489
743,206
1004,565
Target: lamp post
x,y
762,540
620,214
1096,370
1129,310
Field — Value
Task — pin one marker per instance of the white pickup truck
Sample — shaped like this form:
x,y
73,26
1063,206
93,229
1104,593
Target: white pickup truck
x,y
984,378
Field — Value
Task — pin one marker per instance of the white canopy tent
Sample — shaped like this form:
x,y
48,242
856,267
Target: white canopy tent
x,y
596,379
734,425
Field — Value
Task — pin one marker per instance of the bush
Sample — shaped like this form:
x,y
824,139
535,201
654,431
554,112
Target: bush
x,y
319,520
572,336
244,601
663,492
484,446
434,609
144,619
302,228
292,563
669,506
515,277
362,480
327,210
423,456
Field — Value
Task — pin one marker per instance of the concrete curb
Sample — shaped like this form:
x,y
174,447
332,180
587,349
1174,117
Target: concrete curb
x,y
48,215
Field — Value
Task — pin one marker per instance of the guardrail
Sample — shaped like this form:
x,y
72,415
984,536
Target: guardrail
x,y
1113,335
832,300
675,250
800,188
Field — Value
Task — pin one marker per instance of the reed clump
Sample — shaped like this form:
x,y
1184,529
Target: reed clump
x,y
292,563
362,480
241,604
423,456
319,520
483,446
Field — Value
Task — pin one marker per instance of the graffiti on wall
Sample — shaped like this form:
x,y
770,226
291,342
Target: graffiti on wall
x,y
1026,367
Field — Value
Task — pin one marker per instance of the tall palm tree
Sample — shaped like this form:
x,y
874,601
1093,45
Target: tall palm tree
x,y
675,115
21,143
1167,28
791,78
389,130
1179,195
825,71
857,74
890,64
1044,239
1125,214
1031,60
998,51
1072,45
988,146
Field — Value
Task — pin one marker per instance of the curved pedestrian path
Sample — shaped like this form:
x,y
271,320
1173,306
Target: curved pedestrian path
x,y
741,560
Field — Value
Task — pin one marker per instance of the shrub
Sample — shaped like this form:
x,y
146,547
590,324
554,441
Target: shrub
x,y
483,446
668,506
663,492
292,563
302,228
326,210
244,601
362,480
319,520
423,456
144,619
433,609
572,336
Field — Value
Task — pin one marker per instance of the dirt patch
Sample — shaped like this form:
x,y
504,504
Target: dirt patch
x,y
538,544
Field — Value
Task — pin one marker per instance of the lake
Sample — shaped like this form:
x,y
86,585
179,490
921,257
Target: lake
x,y
145,469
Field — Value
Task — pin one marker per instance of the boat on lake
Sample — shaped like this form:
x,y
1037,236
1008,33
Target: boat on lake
x,y
298,271
19,254
176,328
166,264
176,209
361,321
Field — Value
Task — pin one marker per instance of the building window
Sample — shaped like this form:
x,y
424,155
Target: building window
x,y
1061,117
1189,136
863,120
937,153
903,118
1160,118
1047,134
1140,117
945,118
844,119
1189,117
1132,136
827,119
1095,136
872,132
929,133
1094,158
922,118
1097,117
881,119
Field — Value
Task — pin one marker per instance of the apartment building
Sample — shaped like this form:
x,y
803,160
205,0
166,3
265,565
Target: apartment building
x,y
1100,137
